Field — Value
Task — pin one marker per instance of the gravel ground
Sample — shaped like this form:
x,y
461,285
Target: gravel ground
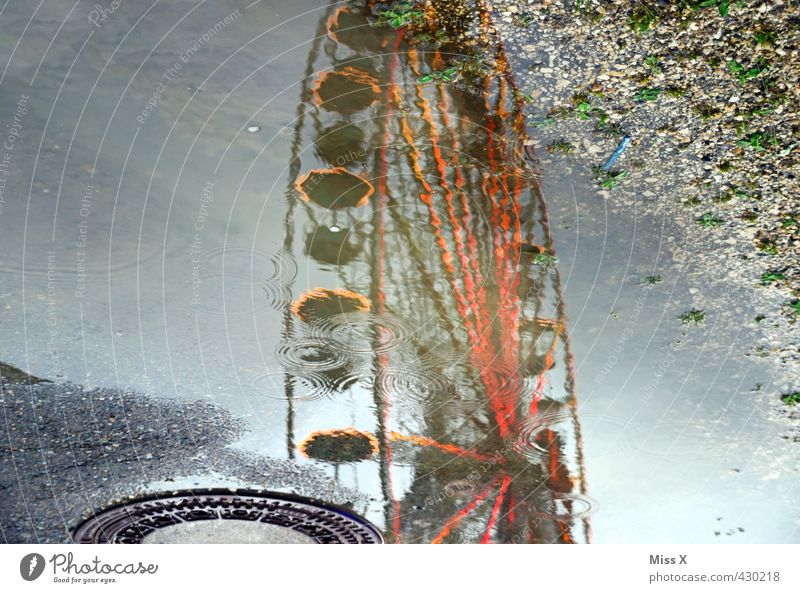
x,y
711,105
66,452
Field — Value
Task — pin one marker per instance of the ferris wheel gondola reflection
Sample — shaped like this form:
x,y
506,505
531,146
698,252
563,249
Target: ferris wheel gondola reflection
x,y
418,192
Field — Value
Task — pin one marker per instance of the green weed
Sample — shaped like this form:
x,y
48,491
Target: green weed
x,y
610,179
722,5
545,122
745,74
768,246
771,277
545,259
401,15
765,37
525,19
647,94
791,399
643,19
448,75
560,146
708,220
693,317
652,63
758,141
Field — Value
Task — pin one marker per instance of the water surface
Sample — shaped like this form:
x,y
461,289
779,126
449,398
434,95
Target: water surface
x,y
297,216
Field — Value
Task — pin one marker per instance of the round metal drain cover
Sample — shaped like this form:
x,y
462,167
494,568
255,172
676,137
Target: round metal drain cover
x,y
223,516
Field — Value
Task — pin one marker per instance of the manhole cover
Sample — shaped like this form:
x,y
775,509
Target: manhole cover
x,y
225,517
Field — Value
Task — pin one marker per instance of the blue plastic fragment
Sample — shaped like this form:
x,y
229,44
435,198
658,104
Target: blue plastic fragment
x,y
622,145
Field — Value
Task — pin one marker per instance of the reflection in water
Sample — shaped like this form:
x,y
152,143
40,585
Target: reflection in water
x,y
340,445
447,310
427,318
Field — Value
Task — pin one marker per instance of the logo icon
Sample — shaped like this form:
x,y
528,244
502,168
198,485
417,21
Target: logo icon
x,y
31,566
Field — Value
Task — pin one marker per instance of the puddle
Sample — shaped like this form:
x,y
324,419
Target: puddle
x,y
370,268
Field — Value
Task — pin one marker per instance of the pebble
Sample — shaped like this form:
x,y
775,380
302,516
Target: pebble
x,y
679,145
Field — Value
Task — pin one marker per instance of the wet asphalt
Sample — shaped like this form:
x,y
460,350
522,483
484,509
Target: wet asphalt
x,y
66,453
